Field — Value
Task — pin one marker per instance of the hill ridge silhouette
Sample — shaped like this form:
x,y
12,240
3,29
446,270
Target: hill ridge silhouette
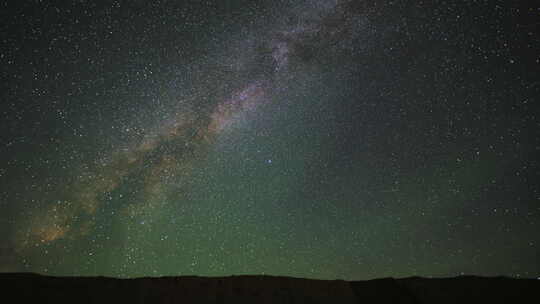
x,y
266,289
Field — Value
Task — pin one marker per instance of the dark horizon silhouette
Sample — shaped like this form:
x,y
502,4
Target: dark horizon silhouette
x,y
266,289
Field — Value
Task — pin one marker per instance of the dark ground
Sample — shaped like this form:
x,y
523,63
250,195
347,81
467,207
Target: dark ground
x,y
33,288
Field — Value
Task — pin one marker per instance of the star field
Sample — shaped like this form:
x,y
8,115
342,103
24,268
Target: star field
x,y
330,139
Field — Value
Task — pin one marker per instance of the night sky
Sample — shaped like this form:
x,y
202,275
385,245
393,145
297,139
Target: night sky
x,y
330,139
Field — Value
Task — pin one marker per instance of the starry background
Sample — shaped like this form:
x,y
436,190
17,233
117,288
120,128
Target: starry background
x,y
322,139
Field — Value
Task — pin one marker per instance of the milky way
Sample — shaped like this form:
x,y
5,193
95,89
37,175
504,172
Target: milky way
x,y
162,160
327,139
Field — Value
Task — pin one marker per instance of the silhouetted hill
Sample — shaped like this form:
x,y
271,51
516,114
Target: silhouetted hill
x,y
33,288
